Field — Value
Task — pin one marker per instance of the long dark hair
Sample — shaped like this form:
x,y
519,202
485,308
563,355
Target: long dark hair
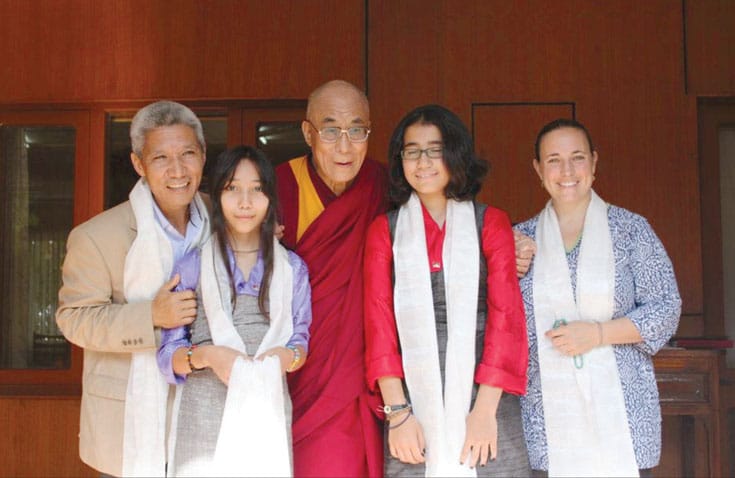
x,y
222,174
466,170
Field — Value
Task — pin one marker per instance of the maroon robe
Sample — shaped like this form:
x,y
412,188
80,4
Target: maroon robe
x,y
335,432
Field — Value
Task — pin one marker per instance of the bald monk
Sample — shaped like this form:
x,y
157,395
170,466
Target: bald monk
x,y
329,198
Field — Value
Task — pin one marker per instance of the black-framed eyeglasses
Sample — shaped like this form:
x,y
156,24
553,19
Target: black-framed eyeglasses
x,y
330,134
414,154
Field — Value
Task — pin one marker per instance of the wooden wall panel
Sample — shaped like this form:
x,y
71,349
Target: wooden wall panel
x,y
39,437
710,52
79,50
620,62
512,184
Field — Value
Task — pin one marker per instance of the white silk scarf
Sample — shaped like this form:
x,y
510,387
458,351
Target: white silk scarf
x,y
584,410
148,265
253,435
441,413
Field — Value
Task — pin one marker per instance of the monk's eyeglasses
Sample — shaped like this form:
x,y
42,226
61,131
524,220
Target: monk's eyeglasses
x,y
331,134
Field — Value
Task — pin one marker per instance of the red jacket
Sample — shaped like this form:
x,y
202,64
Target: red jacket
x,y
505,354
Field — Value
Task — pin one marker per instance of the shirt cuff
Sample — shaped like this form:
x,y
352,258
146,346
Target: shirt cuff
x,y
496,377
385,366
300,341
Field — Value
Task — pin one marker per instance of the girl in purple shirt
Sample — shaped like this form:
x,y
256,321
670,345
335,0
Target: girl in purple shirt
x,y
243,220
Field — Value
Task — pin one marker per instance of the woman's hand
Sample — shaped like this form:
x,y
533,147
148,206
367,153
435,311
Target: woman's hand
x,y
285,355
406,441
481,437
525,250
219,358
575,338
481,440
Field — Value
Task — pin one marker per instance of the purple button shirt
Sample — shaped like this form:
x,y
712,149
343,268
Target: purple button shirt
x,y
189,267
180,244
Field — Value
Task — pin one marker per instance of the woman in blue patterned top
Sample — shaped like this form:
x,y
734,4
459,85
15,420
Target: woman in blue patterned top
x,y
601,298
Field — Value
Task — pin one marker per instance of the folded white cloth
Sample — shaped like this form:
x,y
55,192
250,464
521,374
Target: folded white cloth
x,y
253,439
253,435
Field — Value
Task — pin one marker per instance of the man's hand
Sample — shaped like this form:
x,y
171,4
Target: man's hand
x,y
525,250
173,309
278,232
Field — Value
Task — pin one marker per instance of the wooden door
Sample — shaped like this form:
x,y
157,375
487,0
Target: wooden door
x,y
716,122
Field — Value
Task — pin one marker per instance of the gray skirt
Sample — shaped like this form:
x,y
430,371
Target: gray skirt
x,y
512,456
203,395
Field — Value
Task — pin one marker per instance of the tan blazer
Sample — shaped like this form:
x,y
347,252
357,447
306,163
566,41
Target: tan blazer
x,y
93,314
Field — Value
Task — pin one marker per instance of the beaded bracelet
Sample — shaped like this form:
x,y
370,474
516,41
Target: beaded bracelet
x,y
395,410
296,358
189,353
391,427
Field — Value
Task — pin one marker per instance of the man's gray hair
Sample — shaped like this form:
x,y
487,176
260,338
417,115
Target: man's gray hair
x,y
162,113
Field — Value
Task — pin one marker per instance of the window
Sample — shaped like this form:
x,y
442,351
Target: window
x,y
281,140
275,129
51,180
37,193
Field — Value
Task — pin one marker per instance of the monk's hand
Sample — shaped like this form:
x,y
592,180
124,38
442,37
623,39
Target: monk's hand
x,y
406,440
525,250
576,338
278,231
285,355
173,309
481,440
220,359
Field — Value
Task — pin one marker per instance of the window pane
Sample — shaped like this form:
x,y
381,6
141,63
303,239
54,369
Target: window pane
x,y
37,190
281,140
120,177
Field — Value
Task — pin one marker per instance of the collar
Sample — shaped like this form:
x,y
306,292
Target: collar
x,y
195,219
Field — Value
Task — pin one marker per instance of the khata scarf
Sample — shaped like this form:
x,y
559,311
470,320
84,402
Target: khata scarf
x,y
584,410
441,413
148,264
